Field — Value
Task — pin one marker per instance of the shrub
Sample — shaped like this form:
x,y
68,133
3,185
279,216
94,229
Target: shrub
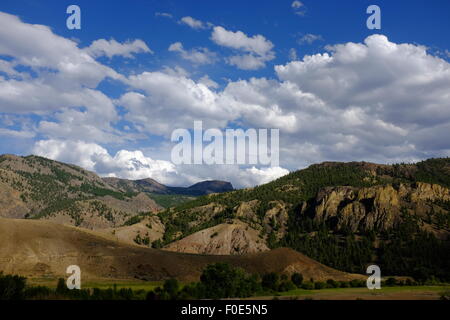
x,y
271,281
12,287
220,280
286,285
320,285
332,283
390,282
171,286
297,279
308,285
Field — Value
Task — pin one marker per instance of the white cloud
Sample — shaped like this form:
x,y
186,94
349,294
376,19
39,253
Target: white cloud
x,y
38,47
309,38
125,164
298,7
239,40
165,96
265,175
76,152
257,49
193,23
17,133
196,55
296,4
62,69
61,86
164,14
112,48
378,97
293,54
207,81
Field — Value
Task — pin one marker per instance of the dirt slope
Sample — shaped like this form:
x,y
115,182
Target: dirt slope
x,y
40,248
226,238
149,228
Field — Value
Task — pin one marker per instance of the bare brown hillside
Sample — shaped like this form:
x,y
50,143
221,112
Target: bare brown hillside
x,y
45,249
233,238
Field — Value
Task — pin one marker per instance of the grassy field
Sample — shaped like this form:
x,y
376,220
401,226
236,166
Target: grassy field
x,y
385,293
388,293
102,284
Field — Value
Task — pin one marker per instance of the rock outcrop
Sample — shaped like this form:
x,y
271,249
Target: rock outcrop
x,y
373,208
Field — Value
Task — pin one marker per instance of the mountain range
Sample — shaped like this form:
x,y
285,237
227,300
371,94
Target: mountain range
x,y
344,215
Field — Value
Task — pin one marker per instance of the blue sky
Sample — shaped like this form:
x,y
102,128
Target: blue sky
x,y
137,70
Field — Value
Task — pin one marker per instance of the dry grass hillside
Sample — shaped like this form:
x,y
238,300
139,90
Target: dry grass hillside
x,y
45,249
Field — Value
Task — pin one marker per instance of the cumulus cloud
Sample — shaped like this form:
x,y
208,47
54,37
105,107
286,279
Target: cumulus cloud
x,y
196,55
39,48
61,70
377,97
112,48
59,82
166,95
257,50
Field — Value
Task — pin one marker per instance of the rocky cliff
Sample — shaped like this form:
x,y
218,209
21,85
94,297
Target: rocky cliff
x,y
378,207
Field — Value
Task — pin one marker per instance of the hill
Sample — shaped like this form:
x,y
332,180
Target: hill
x,y
345,215
44,249
235,237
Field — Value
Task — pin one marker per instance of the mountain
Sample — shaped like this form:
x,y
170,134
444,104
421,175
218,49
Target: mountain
x,y
42,249
39,188
206,187
152,186
345,215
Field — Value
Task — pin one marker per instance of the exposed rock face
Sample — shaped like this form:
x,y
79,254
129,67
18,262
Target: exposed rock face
x,y
247,210
373,208
223,239
275,219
